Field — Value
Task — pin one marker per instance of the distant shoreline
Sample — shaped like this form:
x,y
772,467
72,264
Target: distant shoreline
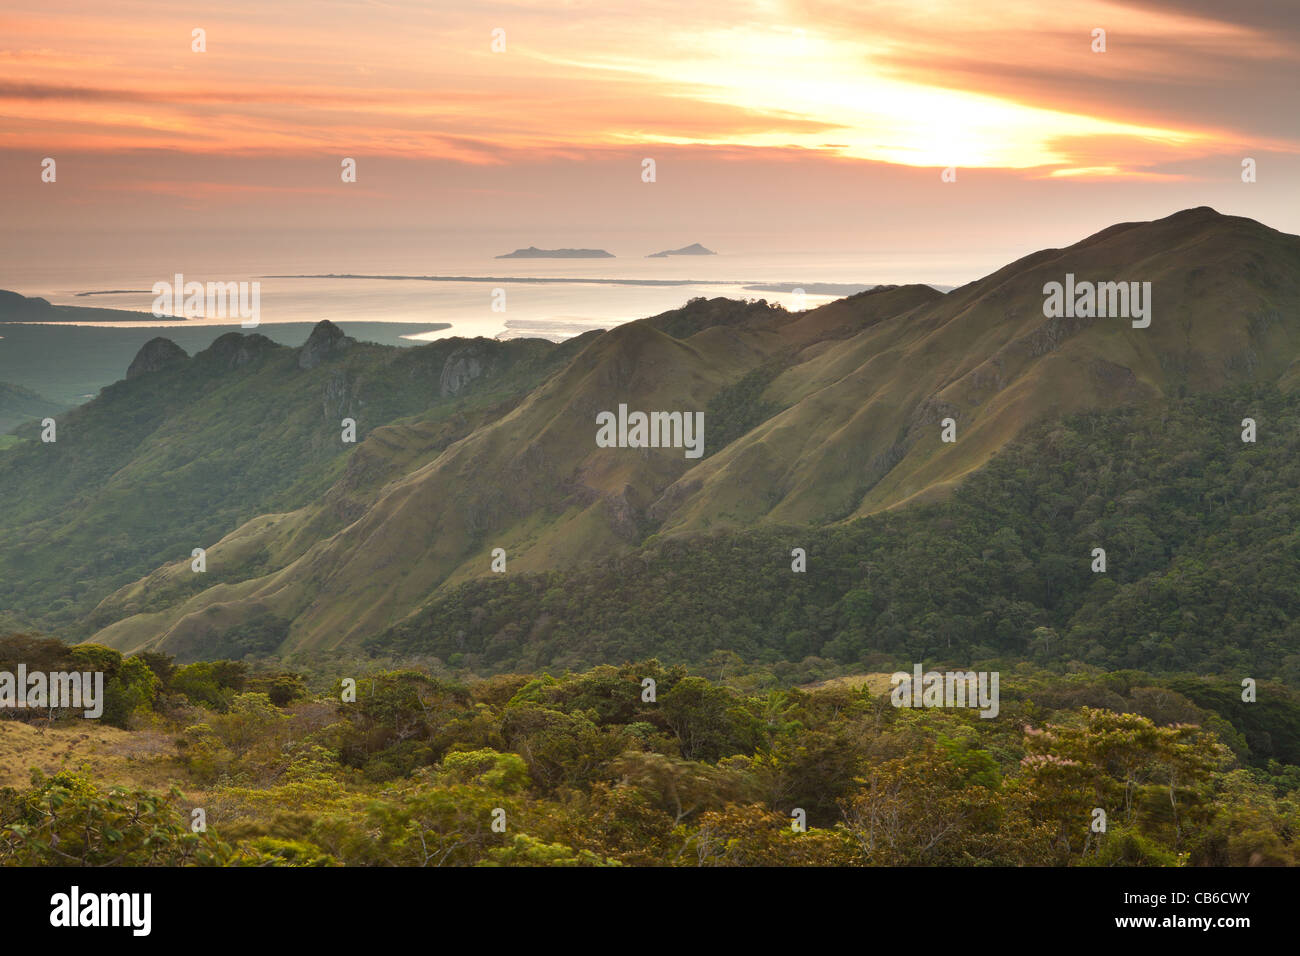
x,y
545,280
747,285
170,322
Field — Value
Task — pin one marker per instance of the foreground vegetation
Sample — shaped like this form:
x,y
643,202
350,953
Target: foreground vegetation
x,y
580,769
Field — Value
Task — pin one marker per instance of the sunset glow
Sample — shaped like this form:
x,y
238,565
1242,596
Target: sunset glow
x,y
771,74
854,97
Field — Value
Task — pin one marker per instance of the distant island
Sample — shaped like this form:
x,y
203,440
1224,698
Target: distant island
x,y
532,252
694,249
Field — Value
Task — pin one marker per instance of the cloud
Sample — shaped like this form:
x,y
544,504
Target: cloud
x,y
1010,84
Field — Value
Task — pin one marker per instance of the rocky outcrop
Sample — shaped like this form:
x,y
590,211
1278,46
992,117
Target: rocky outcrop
x,y
462,367
326,339
156,355
235,349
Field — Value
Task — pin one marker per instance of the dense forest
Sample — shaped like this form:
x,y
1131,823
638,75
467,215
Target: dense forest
x,y
605,768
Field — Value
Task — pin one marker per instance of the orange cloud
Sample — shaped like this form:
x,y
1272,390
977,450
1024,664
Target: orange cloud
x,y
1007,84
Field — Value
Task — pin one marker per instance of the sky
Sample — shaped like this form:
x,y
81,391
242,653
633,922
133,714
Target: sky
x,y
807,126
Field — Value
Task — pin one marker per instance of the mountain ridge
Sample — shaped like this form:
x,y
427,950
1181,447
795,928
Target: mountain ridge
x,y
824,417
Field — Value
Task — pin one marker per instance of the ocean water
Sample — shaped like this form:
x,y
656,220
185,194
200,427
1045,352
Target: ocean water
x,y
546,310
71,362
549,309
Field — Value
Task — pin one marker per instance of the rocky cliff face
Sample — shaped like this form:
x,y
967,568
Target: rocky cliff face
x,y
461,368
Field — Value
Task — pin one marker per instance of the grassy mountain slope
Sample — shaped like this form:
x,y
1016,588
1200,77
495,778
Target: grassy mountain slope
x,y
176,458
551,497
531,482
823,416
1199,529
860,427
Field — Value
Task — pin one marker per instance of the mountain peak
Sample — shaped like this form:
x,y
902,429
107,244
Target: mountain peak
x,y
155,355
325,339
234,349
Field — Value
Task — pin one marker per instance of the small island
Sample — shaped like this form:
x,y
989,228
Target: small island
x,y
532,252
694,249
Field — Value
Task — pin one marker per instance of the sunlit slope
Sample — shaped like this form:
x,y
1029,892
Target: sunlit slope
x,y
860,430
533,483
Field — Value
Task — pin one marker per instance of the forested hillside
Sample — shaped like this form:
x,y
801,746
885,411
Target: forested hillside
x,y
18,405
1200,531
185,449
